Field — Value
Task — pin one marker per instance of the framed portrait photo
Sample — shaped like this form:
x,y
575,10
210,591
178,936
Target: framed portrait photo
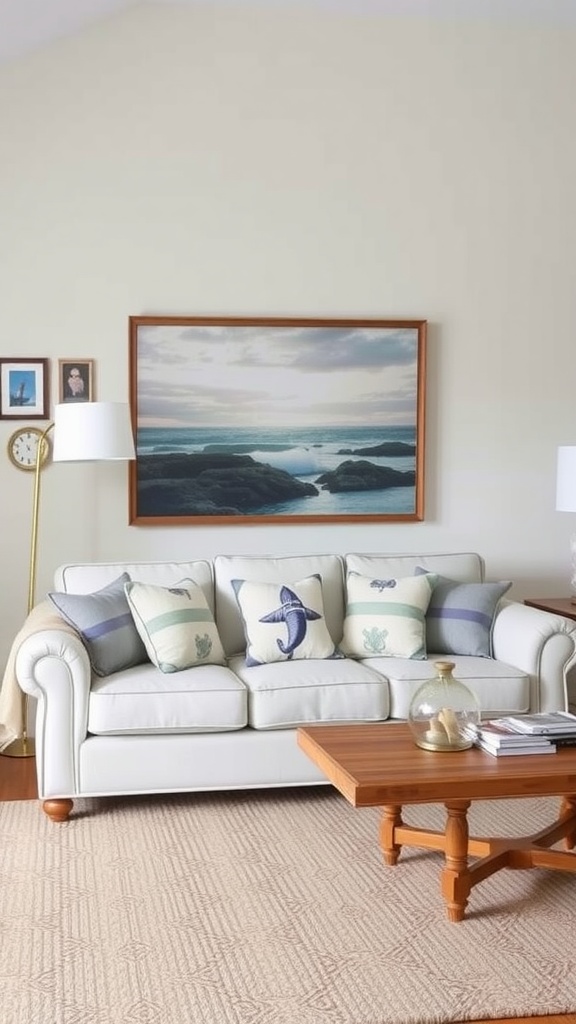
x,y
24,389
76,380
275,420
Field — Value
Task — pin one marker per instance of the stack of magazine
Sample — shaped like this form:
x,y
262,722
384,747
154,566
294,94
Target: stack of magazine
x,y
540,733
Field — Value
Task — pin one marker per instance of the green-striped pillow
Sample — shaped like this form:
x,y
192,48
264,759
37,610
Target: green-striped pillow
x,y
175,624
386,617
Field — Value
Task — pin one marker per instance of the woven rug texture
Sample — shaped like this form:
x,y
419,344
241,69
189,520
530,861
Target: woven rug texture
x,y
269,907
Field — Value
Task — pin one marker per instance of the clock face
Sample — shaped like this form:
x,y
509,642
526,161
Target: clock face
x,y
23,447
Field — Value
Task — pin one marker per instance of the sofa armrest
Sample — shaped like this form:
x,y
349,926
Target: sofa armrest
x,y
53,666
541,644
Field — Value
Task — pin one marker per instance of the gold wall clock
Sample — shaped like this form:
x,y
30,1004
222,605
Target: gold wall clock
x,y
23,447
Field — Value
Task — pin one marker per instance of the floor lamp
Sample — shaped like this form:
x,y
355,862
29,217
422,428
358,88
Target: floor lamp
x,y
566,499
83,432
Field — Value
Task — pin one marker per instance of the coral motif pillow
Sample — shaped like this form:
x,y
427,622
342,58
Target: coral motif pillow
x,y
386,617
284,621
176,625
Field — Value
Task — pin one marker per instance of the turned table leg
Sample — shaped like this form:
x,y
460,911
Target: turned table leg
x,y
391,819
58,810
567,810
456,883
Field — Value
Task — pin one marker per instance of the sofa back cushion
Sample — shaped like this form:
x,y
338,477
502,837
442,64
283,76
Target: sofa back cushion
x,y
85,578
464,567
284,570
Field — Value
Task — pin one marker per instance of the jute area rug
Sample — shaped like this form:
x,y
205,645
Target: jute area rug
x,y
268,907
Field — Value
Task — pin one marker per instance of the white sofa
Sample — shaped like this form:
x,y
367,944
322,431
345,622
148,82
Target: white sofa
x,y
234,727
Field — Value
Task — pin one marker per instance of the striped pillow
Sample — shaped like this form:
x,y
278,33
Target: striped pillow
x,y
176,625
386,617
460,616
105,625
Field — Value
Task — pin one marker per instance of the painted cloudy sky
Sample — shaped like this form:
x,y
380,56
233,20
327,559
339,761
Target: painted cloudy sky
x,y
222,376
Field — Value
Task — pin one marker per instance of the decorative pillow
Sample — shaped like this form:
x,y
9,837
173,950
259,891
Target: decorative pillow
x,y
386,617
460,616
176,625
105,624
284,621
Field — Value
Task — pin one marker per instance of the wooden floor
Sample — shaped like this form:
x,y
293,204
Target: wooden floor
x,y
18,782
18,778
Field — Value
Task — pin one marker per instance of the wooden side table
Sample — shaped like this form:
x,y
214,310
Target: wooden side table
x,y
557,605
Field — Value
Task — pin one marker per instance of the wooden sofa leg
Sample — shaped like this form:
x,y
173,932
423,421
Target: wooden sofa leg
x,y
58,810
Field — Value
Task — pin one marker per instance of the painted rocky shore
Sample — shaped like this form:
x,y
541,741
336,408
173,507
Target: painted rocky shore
x,y
217,483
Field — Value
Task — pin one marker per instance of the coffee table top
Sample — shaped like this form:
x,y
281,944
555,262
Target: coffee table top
x,y
380,764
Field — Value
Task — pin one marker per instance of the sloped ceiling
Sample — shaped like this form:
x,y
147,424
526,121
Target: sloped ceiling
x,y
26,25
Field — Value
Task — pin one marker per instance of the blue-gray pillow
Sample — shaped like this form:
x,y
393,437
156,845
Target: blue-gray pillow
x,y
460,616
106,626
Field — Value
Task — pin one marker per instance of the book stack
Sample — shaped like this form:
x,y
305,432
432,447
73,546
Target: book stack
x,y
540,733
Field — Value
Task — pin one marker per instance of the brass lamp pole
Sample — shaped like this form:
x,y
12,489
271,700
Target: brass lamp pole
x,y
24,746
85,432
35,507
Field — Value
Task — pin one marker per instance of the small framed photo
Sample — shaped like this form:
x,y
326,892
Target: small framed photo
x,y
24,389
76,378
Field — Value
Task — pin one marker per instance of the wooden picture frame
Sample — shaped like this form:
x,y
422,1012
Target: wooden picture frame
x,y
244,420
24,393
75,380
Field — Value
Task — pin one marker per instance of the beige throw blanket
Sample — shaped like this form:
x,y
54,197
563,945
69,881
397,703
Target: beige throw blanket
x,y
43,616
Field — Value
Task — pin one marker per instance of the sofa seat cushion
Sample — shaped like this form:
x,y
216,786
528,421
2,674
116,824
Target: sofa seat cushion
x,y
293,693
500,688
143,700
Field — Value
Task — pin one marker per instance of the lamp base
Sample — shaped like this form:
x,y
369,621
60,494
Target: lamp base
x,y
23,746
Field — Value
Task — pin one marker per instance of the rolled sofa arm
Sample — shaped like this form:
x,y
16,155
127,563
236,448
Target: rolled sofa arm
x,y
53,666
540,643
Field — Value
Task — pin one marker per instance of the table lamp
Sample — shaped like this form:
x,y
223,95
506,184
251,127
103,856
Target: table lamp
x,y
83,432
566,499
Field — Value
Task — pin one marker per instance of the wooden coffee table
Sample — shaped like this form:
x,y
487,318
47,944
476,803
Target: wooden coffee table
x,y
380,765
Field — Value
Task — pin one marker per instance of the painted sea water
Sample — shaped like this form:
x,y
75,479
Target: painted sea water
x,y
305,453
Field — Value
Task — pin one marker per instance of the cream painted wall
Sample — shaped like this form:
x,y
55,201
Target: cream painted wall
x,y
182,161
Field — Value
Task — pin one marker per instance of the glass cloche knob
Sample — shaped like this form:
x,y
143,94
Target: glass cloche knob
x,y
443,712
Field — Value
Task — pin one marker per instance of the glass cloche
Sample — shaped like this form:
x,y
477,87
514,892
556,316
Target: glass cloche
x,y
441,711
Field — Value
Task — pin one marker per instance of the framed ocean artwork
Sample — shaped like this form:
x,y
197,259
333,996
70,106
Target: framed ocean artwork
x,y
277,420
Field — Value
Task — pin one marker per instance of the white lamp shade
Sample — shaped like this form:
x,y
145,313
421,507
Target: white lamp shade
x,y
92,432
566,479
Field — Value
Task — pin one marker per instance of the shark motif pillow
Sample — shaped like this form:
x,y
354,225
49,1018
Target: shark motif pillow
x,y
284,621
